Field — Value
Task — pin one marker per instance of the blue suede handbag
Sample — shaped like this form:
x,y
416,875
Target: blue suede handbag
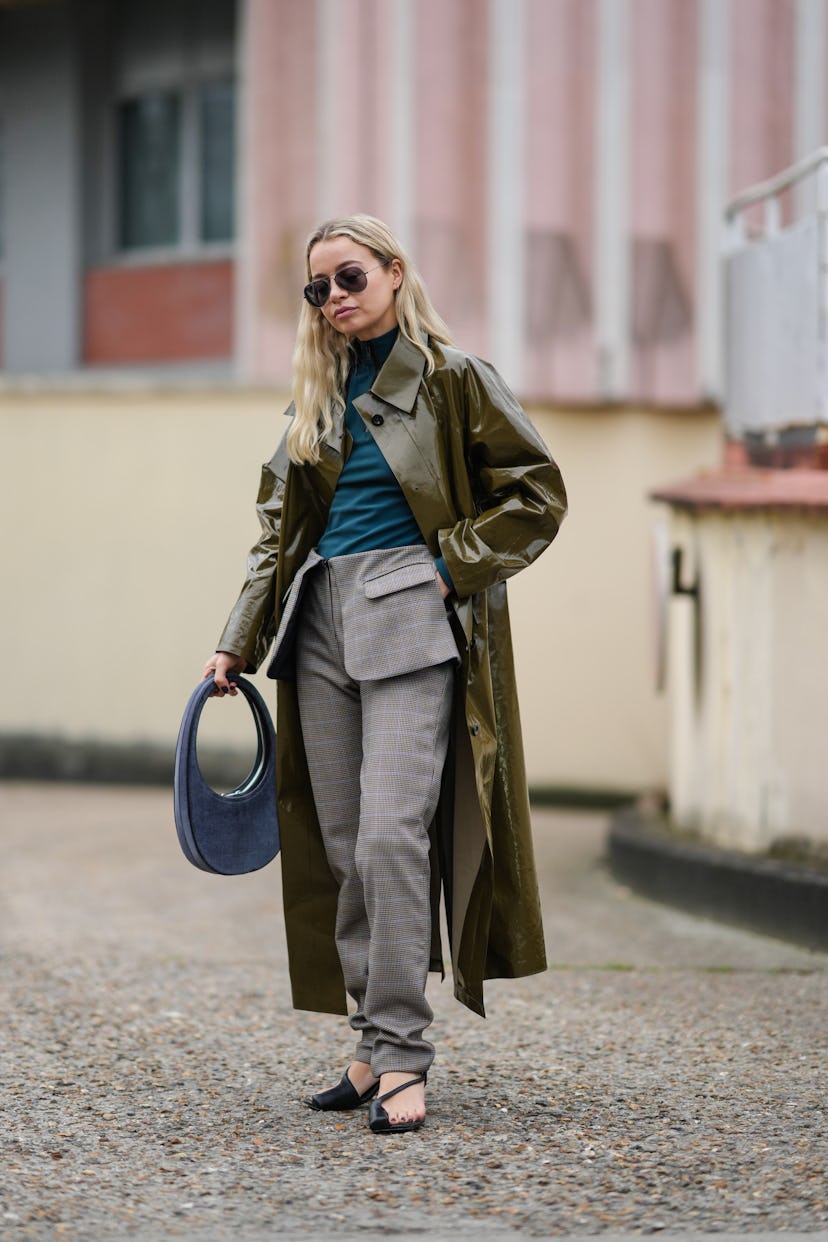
x,y
230,833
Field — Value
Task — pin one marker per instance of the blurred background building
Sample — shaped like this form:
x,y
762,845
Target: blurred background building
x,y
559,171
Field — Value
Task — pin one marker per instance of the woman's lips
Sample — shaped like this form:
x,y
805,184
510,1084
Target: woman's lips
x,y
344,310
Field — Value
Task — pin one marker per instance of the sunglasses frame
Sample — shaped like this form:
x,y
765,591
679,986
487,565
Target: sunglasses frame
x,y
309,293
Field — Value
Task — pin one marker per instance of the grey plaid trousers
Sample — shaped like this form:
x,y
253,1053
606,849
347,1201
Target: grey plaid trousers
x,y
374,671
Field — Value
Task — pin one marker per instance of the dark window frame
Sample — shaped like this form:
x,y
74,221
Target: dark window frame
x,y
3,215
190,244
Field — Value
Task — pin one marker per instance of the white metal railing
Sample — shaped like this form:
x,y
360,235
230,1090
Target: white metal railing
x,y
774,186
776,308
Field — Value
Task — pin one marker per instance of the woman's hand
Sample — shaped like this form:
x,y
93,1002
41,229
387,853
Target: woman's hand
x,y
444,590
218,666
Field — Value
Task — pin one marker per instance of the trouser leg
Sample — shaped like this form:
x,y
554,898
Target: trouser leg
x,y
405,724
330,710
375,752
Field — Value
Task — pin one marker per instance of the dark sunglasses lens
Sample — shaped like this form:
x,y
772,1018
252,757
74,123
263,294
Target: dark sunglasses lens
x,y
318,291
351,279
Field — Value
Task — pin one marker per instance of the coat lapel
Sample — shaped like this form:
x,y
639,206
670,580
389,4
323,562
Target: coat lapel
x,y
325,473
396,417
409,439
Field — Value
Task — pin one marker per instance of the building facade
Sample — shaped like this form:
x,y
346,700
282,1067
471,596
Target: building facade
x,y
558,167
558,170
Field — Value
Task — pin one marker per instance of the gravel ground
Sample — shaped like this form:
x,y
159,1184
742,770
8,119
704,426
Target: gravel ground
x,y
667,1074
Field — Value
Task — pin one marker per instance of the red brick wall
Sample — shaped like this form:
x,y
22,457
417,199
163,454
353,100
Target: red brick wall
x,y
164,313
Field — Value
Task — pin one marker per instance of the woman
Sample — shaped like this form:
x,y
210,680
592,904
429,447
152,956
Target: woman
x,y
409,485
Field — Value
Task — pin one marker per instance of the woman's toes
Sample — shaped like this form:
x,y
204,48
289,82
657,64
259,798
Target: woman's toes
x,y
409,1105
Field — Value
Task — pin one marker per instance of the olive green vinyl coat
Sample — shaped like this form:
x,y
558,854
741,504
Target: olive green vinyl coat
x,y
488,498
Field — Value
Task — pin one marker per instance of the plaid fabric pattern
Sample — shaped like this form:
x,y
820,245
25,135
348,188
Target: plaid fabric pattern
x,y
376,744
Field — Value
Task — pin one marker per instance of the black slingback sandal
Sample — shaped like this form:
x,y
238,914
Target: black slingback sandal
x,y
378,1118
341,1098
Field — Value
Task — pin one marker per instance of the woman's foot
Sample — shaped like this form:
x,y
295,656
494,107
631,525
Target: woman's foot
x,y
361,1076
356,1087
408,1105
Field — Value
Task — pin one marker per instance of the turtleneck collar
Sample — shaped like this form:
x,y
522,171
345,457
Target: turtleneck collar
x,y
375,351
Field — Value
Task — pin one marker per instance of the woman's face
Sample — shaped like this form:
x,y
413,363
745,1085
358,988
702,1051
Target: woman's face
x,y
369,313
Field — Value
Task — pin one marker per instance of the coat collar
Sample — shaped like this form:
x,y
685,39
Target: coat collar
x,y
397,384
399,380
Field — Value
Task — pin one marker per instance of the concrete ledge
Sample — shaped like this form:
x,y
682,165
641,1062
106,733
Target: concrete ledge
x,y
581,797
749,489
775,898
36,757
44,757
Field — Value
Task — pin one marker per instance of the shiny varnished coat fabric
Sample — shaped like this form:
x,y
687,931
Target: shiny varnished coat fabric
x,y
489,499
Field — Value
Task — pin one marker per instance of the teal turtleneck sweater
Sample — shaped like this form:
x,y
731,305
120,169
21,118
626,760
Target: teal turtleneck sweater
x,y
369,510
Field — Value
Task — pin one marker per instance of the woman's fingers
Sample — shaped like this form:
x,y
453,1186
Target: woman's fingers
x,y
218,666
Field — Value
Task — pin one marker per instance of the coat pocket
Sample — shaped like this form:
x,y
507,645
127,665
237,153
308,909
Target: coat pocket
x,y
395,622
400,579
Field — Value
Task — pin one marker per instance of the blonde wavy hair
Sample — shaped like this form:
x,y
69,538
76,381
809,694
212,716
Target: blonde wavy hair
x,y
320,359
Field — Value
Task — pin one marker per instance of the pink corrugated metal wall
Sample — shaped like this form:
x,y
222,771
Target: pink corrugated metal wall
x,y
559,341
761,100
278,180
449,153
663,202
301,159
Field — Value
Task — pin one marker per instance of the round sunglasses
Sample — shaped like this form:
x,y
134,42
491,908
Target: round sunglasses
x,y
350,279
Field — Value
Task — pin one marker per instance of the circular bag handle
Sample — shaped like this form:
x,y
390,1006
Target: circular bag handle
x,y
234,832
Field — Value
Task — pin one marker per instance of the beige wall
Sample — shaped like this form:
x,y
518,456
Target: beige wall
x,y
748,728
584,615
127,516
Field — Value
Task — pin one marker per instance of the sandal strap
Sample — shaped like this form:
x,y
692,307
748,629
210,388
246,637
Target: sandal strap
x,y
402,1087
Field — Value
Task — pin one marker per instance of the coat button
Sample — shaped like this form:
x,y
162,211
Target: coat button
x,y
377,420
475,729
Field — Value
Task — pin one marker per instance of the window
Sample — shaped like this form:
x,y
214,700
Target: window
x,y
150,150
217,131
177,166
2,192
174,119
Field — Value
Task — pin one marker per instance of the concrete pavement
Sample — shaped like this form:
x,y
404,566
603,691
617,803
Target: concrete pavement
x,y
665,1075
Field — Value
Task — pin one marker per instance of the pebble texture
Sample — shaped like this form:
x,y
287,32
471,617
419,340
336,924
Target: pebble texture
x,y
666,1074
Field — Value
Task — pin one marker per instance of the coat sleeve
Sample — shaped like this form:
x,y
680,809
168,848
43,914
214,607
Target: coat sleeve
x,y
251,625
520,498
